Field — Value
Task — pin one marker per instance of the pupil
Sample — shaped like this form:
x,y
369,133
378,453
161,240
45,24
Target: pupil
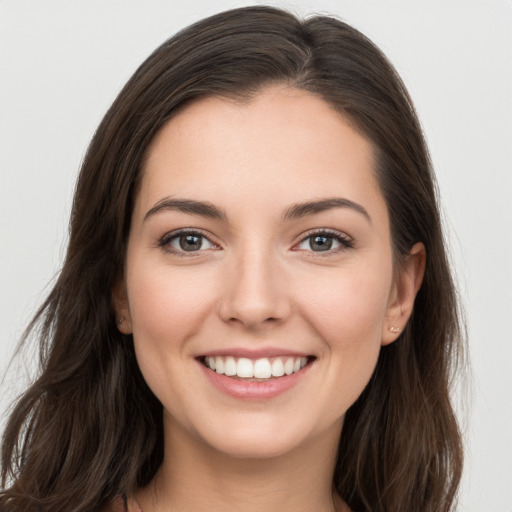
x,y
190,242
321,243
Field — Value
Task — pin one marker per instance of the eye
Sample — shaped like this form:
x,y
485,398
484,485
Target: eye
x,y
325,241
182,242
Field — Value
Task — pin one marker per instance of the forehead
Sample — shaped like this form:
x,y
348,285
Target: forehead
x,y
284,144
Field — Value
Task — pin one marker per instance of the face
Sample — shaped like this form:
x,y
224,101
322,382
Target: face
x,y
259,280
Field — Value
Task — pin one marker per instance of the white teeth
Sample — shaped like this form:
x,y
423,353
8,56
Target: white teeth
x,y
219,365
245,368
288,366
262,368
277,368
230,366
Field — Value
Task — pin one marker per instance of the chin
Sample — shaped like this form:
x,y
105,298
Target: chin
x,y
254,446
264,438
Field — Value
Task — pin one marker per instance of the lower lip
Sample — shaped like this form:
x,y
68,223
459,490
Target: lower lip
x,y
254,390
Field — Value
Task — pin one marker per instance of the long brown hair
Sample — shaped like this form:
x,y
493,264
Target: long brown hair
x,y
89,428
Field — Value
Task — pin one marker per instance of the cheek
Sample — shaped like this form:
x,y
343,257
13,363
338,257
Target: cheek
x,y
167,308
167,303
348,306
347,311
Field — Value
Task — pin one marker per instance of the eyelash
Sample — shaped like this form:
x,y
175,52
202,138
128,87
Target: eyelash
x,y
345,242
166,240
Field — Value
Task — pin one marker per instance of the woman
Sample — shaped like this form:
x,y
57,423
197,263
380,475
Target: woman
x,y
255,311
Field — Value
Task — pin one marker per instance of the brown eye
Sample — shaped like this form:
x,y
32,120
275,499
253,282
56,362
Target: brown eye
x,y
186,242
190,242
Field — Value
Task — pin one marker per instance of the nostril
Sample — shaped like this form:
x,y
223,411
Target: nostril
x,y
254,301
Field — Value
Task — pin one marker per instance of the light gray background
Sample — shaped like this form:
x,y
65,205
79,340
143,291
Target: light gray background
x,y
62,63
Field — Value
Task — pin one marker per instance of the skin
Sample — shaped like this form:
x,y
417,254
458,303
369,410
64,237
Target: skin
x,y
256,282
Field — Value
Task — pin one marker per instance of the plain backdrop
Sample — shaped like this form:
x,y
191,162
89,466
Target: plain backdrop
x,y
63,62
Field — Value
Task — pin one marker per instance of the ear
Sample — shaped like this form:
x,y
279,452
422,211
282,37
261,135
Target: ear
x,y
121,307
401,300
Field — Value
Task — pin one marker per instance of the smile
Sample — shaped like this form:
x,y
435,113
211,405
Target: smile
x,y
253,376
260,369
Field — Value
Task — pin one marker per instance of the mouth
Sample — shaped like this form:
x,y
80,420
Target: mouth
x,y
263,369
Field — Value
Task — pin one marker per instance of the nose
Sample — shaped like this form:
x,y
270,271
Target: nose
x,y
256,296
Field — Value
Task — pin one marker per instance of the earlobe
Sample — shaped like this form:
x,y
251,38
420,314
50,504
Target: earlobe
x,y
121,307
407,283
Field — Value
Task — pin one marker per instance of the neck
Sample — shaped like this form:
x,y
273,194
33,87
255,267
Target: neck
x,y
194,476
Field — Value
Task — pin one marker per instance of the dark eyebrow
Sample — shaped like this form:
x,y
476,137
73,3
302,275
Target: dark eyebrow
x,y
202,208
299,210
295,211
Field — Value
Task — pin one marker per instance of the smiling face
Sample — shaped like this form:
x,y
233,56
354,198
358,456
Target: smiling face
x,y
259,281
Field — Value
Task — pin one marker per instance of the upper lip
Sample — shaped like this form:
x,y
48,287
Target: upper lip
x,y
254,353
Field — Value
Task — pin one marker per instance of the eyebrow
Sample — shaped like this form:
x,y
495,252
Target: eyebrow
x,y
202,208
295,211
300,210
